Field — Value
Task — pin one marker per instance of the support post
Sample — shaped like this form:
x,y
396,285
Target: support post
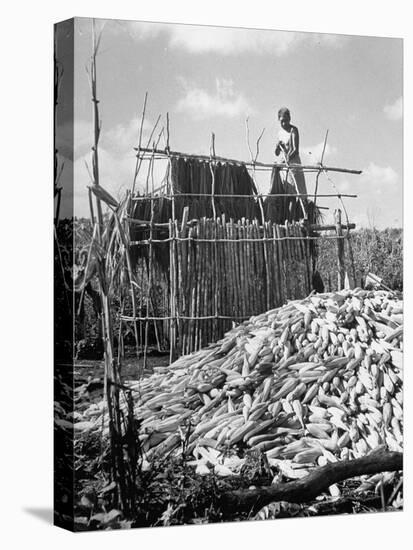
x,y
172,282
340,250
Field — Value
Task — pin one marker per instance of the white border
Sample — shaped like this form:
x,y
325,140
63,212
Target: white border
x,y
26,267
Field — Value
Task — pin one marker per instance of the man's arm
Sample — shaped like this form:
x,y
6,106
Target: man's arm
x,y
279,147
294,144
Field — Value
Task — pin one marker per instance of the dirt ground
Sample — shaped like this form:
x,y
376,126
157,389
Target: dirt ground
x,y
94,369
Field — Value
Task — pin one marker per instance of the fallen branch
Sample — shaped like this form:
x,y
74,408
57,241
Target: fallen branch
x,y
306,489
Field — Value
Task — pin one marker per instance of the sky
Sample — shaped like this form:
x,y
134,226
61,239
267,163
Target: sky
x,y
210,79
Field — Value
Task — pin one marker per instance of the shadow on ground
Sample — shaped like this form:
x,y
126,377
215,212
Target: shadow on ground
x,y
44,514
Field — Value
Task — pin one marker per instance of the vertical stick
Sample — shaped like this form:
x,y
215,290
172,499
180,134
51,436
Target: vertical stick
x,y
212,155
179,288
288,261
254,280
307,256
215,275
217,270
241,269
281,262
194,231
254,275
149,286
183,285
340,250
206,285
351,258
172,331
138,161
274,283
229,299
201,285
197,293
235,267
267,268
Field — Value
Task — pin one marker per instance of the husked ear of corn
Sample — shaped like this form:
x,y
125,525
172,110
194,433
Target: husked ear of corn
x,y
317,380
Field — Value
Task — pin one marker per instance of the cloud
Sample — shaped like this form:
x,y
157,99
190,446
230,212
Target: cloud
x,y
124,137
117,160
199,39
224,101
231,41
312,154
394,111
379,176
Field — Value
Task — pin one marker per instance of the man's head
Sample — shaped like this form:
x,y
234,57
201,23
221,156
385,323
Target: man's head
x,y
284,117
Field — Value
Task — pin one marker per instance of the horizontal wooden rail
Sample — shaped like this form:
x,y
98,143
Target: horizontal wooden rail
x,y
229,196
192,223
332,227
281,165
130,318
146,242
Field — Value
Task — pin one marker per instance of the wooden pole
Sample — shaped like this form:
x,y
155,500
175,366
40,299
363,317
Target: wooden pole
x,y
340,250
281,263
236,269
172,331
241,245
193,232
318,173
313,167
212,169
249,268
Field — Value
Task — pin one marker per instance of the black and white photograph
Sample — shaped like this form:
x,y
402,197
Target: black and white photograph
x,y
228,271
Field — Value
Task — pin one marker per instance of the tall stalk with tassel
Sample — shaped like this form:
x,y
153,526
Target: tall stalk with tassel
x,y
108,240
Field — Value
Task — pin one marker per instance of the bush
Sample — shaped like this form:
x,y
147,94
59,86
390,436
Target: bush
x,y
378,252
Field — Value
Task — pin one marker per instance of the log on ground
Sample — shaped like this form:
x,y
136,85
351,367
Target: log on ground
x,y
306,489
